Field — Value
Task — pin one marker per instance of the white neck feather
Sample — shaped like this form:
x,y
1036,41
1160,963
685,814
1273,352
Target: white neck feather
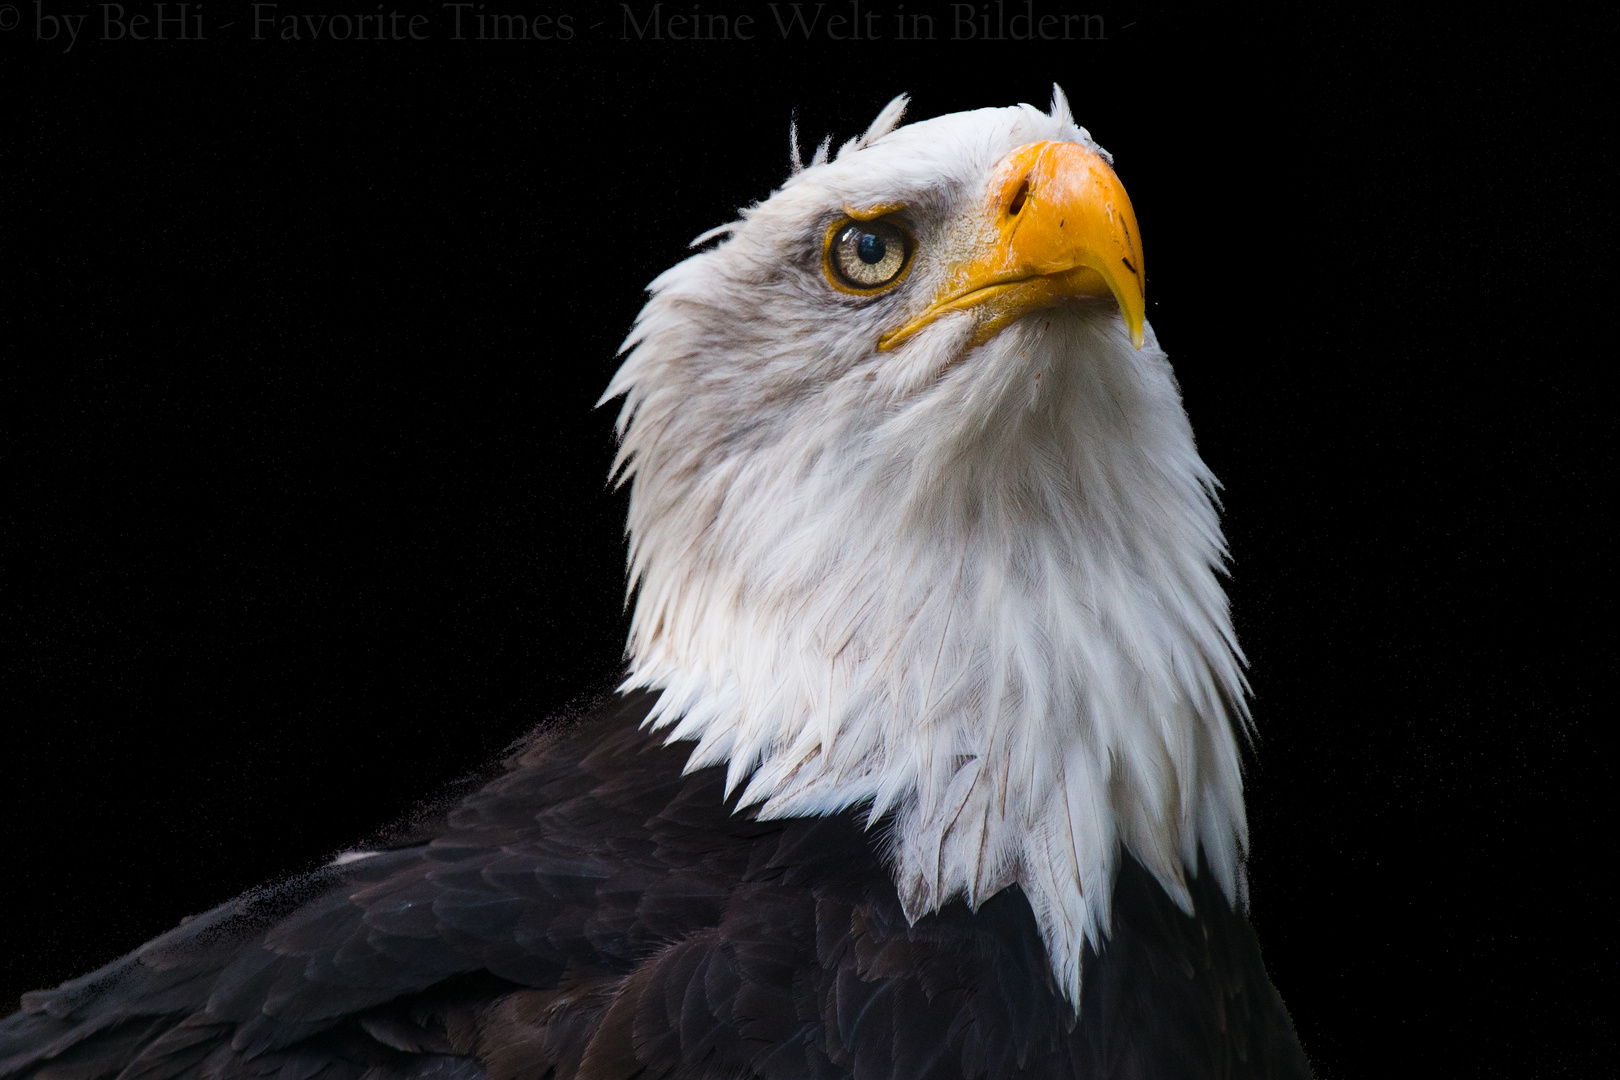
x,y
991,610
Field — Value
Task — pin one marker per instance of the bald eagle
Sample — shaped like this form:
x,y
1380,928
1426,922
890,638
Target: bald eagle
x,y
926,762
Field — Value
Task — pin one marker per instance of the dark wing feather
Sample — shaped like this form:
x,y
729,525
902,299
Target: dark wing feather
x,y
593,914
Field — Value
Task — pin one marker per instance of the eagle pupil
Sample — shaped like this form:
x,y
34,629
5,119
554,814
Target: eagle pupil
x,y
870,248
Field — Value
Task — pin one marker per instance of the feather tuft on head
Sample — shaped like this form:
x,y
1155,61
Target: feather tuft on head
x,y
886,121
1060,106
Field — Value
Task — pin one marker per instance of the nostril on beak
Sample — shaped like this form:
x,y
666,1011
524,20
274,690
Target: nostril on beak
x,y
1018,198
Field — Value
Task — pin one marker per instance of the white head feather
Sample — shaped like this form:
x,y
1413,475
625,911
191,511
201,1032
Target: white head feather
x,y
974,588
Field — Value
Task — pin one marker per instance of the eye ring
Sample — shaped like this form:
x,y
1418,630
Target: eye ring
x,y
866,257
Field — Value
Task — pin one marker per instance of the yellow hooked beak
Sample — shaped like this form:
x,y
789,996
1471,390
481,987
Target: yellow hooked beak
x,y
1058,227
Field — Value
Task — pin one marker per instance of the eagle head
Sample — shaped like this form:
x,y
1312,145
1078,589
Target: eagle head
x,y
917,524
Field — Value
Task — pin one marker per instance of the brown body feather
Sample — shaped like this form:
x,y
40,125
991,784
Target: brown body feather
x,y
593,914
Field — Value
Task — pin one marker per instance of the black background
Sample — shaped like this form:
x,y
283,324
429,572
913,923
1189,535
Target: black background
x,y
308,515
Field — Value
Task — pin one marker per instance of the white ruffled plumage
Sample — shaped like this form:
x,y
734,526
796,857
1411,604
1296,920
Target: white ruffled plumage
x,y
976,588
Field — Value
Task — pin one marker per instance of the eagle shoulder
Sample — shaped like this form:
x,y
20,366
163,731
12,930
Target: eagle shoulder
x,y
595,914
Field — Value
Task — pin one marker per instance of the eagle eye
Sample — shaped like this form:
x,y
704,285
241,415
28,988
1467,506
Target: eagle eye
x,y
863,256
